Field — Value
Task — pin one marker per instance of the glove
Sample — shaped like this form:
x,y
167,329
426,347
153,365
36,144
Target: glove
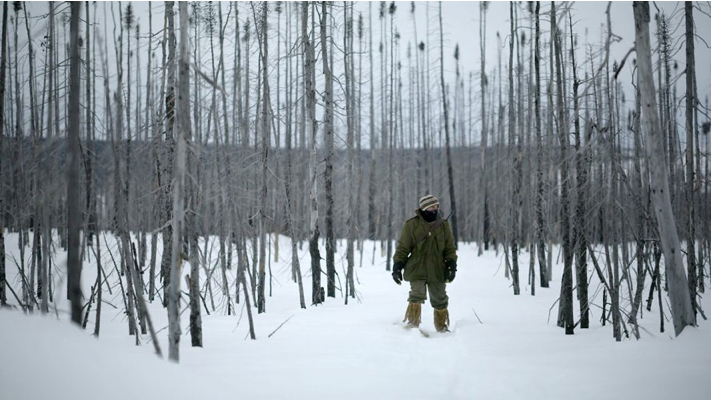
x,y
451,272
397,272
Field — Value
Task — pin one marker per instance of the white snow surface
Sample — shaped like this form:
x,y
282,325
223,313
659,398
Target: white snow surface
x,y
512,350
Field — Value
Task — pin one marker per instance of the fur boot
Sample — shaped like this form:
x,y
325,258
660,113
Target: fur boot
x,y
441,320
413,314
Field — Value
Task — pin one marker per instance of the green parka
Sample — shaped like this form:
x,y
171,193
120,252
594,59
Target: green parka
x,y
426,261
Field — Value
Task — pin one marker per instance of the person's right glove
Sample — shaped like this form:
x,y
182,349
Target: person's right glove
x,y
397,272
451,270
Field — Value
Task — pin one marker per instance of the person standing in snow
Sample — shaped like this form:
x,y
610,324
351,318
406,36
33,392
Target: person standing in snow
x,y
426,254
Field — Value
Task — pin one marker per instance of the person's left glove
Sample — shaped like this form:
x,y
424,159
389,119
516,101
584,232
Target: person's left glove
x,y
397,272
451,270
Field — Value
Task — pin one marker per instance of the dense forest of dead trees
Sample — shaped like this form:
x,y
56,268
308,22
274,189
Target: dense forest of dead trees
x,y
235,123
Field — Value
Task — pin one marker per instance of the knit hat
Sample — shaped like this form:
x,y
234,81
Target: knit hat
x,y
428,201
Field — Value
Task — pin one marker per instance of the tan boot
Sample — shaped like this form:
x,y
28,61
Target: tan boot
x,y
413,314
441,320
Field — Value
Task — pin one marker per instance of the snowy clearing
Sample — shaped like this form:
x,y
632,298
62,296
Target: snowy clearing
x,y
502,346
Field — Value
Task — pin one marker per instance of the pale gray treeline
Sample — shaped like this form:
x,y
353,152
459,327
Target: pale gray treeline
x,y
249,126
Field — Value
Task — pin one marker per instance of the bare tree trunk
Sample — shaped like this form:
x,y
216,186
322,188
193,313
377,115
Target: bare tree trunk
x,y
169,157
296,268
241,278
540,193
128,18
359,136
352,191
498,236
277,223
177,256
156,207
237,121
373,137
614,225
73,203
312,128
43,267
192,167
193,280
3,44
391,132
226,192
579,235
483,236
384,142
263,47
641,212
121,215
415,98
246,129
133,270
706,243
550,183
450,173
90,123
99,284
516,171
697,193
682,310
427,112
328,138
566,290
141,185
28,287
690,179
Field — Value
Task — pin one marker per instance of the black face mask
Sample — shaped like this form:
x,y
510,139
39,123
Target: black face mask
x,y
429,216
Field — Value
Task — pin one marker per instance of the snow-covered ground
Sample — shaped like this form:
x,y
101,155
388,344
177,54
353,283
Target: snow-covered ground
x,y
502,346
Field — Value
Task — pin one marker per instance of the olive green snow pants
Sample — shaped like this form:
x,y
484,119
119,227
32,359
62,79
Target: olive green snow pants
x,y
438,293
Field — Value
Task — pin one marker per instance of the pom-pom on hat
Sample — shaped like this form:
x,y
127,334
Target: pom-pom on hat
x,y
428,201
